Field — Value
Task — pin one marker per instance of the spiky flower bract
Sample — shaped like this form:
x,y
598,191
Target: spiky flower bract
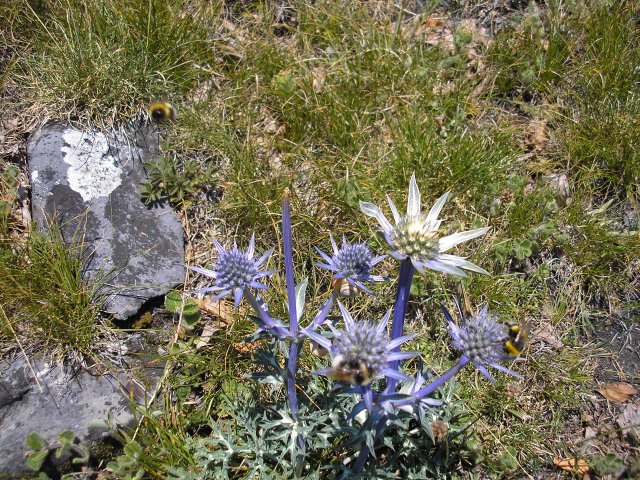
x,y
415,235
481,339
352,262
234,271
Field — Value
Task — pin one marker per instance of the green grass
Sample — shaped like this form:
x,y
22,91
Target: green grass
x,y
103,60
344,105
579,56
46,303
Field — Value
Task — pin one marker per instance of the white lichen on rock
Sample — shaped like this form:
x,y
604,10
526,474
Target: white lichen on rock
x,y
92,172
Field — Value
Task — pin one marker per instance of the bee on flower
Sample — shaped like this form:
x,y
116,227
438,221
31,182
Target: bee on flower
x,y
481,339
362,352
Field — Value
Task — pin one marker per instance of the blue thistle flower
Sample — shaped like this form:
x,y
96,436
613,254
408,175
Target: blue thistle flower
x,y
415,235
352,263
481,339
362,352
234,271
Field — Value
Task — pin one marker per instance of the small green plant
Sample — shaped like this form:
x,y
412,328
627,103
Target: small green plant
x,y
179,185
128,462
185,307
66,444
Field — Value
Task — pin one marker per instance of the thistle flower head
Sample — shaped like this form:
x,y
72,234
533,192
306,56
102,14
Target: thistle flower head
x,y
410,388
481,339
415,235
234,271
352,262
362,351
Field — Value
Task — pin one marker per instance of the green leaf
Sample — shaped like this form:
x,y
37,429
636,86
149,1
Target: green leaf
x,y
67,437
523,249
349,191
509,458
190,308
301,291
5,207
35,460
34,441
173,301
84,458
190,320
64,448
285,84
608,464
10,175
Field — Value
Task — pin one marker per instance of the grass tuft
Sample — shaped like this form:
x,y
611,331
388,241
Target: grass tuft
x,y
105,60
45,299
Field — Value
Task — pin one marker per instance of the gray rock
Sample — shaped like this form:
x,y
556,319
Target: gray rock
x,y
88,182
58,401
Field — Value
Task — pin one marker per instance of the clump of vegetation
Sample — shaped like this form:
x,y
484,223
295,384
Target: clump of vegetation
x,y
578,56
44,298
8,196
103,60
179,186
65,445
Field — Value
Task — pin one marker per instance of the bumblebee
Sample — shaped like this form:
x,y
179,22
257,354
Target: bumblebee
x,y
162,111
353,371
516,343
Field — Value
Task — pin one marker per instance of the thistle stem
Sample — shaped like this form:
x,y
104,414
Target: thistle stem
x,y
292,361
264,316
324,311
294,348
364,451
437,383
400,310
288,267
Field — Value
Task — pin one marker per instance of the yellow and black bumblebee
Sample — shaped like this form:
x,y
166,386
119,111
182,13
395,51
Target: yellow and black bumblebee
x,y
354,371
516,343
162,111
517,333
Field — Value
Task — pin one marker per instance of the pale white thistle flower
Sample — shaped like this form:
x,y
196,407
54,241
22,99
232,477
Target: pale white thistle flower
x,y
415,235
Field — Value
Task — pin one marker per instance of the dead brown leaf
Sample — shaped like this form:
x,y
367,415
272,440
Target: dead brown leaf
x,y
433,22
319,77
208,330
546,333
479,34
538,138
559,183
220,309
617,392
629,420
572,465
246,348
228,26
